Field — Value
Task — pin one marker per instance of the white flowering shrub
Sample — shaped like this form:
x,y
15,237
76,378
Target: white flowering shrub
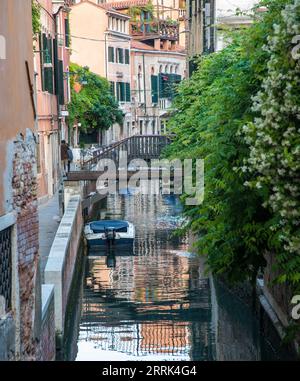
x,y
274,142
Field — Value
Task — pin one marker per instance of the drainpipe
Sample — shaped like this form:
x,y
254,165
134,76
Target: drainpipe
x,y
61,185
144,71
105,41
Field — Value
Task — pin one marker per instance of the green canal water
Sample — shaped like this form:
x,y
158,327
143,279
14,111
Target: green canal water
x,y
157,303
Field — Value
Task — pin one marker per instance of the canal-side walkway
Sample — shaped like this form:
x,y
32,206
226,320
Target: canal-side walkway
x,y
49,220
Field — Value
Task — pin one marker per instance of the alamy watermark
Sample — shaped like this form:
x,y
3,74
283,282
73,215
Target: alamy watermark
x,y
159,177
296,309
296,48
2,48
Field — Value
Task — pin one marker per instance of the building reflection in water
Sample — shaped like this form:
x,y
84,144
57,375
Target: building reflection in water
x,y
155,302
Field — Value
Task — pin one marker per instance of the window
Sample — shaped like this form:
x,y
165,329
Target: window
x,y
153,127
128,128
46,46
123,92
6,267
120,55
111,54
120,92
167,85
127,59
141,127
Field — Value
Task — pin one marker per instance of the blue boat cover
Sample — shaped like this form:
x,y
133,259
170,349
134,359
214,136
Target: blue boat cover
x,y
117,225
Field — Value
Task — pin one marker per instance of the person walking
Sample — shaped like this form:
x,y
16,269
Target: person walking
x,y
64,156
70,157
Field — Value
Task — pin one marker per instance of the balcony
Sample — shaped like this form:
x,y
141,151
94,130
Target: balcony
x,y
146,30
182,13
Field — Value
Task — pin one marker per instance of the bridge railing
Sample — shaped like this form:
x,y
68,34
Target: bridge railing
x,y
144,147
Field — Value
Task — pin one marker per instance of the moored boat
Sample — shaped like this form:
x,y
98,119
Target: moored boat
x,y
109,233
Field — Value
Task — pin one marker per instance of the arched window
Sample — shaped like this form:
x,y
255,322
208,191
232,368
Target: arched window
x,y
160,68
166,69
171,69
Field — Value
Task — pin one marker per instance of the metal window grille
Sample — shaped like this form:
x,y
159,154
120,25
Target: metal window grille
x,y
5,266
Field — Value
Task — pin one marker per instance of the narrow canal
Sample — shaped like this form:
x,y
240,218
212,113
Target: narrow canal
x,y
157,303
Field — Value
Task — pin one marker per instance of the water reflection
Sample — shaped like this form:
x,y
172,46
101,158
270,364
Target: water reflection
x,y
153,304
157,303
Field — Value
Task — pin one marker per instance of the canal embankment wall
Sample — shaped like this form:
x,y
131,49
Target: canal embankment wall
x,y
269,318
58,276
47,339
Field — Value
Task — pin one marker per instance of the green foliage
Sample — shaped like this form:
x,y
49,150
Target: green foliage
x,y
274,143
212,107
36,14
93,106
137,10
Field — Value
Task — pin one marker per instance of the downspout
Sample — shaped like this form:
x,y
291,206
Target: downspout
x,y
61,187
144,78
105,42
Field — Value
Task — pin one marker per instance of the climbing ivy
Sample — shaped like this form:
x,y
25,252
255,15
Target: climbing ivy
x,y
137,10
36,15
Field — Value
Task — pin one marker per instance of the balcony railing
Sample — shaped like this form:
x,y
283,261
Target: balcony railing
x,y
182,13
154,29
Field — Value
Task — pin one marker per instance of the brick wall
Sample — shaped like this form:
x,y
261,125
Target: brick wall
x,y
24,186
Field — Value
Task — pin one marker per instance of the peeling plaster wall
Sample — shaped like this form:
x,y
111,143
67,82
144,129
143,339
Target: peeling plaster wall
x,y
25,203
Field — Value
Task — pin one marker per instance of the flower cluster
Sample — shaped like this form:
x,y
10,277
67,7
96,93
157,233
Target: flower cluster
x,y
274,136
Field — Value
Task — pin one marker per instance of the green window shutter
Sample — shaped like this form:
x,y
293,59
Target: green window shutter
x,y
56,67
50,50
112,88
41,39
61,92
122,89
154,88
45,49
127,59
127,92
111,55
175,79
164,85
67,33
120,55
48,73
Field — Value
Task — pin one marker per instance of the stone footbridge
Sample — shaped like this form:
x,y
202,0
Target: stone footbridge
x,y
145,147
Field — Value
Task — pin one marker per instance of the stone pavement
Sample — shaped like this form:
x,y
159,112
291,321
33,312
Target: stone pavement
x,y
49,220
